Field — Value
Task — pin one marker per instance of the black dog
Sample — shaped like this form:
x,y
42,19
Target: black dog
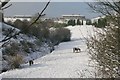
x,y
31,62
76,50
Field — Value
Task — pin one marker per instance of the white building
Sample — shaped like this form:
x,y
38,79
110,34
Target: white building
x,y
66,18
73,17
63,19
96,19
59,20
20,17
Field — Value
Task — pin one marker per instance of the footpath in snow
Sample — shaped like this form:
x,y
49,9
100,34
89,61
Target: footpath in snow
x,y
61,63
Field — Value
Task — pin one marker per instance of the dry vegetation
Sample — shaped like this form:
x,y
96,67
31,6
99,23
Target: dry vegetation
x,y
105,50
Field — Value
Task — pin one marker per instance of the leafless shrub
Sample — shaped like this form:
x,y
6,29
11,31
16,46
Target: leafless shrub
x,y
15,61
105,46
105,49
60,35
11,49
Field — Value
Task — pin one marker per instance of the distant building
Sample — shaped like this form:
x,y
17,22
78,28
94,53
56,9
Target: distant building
x,y
73,17
66,18
63,19
20,17
96,19
58,20
81,17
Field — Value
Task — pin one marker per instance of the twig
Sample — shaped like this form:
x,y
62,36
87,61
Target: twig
x,y
6,7
9,37
40,14
5,39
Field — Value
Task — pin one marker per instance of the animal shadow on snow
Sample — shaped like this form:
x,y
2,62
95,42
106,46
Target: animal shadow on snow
x,y
34,65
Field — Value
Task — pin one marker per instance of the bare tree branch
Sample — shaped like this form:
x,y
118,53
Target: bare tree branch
x,y
104,47
6,7
4,3
40,14
5,39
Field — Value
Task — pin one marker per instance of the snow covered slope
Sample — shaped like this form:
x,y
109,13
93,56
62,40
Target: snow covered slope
x,y
35,51
61,63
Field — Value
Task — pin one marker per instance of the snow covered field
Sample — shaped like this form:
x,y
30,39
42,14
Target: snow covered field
x,y
61,63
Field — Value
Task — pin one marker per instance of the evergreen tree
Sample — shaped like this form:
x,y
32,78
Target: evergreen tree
x,y
99,23
78,22
71,22
95,24
88,22
82,22
102,23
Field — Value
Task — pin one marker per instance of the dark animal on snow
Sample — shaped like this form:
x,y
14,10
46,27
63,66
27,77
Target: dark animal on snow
x,y
31,62
52,49
76,49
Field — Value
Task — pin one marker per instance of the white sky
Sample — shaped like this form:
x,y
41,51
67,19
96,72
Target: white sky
x,y
55,9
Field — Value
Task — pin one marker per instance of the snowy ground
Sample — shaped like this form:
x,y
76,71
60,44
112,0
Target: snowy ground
x,y
61,63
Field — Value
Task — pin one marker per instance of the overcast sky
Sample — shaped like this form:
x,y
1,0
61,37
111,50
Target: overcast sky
x,y
54,0
55,9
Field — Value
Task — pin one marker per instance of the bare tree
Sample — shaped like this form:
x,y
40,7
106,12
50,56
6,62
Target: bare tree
x,y
2,7
8,37
105,46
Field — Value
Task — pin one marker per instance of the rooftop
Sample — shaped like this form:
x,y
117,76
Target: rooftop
x,y
73,15
19,16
